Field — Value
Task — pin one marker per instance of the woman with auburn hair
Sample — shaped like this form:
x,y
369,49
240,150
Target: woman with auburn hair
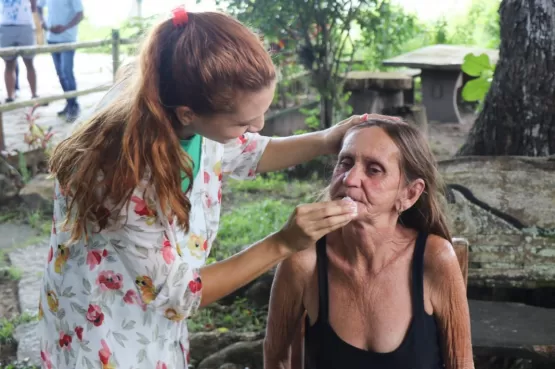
x,y
138,192
385,290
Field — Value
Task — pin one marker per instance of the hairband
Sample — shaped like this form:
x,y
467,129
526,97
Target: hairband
x,y
180,16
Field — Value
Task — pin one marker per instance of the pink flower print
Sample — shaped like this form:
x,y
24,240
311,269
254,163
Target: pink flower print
x,y
206,177
108,280
207,200
65,340
50,254
167,252
195,285
79,332
161,365
250,147
104,354
95,315
94,257
220,194
251,173
144,210
131,297
45,357
242,140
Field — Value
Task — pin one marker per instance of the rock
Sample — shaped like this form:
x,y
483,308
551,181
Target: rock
x,y
38,193
231,366
507,227
521,187
259,291
204,344
28,344
243,354
10,181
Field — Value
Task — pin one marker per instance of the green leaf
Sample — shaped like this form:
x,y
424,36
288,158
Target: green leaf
x,y
476,89
475,65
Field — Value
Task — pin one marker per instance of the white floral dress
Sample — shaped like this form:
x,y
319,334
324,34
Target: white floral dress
x,y
119,300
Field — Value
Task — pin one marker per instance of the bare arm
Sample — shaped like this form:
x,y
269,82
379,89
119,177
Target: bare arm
x,y
75,21
221,279
284,315
448,295
286,152
41,17
307,224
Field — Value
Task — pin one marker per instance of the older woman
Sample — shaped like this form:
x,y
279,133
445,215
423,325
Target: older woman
x,y
386,290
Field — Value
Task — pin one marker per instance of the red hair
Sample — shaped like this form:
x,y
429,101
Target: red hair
x,y
202,65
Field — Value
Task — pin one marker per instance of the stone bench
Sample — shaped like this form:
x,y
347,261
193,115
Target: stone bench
x,y
371,92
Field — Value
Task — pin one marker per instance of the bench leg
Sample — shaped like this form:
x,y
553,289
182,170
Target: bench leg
x,y
439,95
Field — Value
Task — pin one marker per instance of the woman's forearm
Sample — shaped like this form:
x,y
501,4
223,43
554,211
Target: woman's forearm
x,y
285,152
222,278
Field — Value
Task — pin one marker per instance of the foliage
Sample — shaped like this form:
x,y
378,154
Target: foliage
x,y
18,365
318,32
385,34
249,223
7,326
256,208
480,67
36,137
479,26
241,316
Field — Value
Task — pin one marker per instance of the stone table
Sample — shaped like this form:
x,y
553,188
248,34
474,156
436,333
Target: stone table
x,y
374,91
441,76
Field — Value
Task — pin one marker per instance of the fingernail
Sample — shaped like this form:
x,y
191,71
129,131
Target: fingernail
x,y
364,117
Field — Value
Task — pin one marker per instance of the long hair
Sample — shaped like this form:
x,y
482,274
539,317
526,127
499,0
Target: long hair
x,y
133,141
417,161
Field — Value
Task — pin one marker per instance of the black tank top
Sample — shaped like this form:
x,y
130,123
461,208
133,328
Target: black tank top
x,y
420,349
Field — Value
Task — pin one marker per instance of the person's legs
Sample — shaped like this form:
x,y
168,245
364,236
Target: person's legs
x,y
27,38
57,58
71,85
8,38
31,75
9,79
16,75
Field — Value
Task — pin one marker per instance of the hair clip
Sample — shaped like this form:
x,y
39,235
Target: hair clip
x,y
180,16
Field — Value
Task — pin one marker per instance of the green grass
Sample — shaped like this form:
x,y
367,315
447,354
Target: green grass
x,y
8,326
18,365
249,223
239,317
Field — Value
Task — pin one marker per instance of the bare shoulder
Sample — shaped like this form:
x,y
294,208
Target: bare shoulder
x,y
299,267
440,260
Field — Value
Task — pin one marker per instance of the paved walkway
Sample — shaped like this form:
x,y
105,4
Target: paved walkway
x,y
91,70
30,261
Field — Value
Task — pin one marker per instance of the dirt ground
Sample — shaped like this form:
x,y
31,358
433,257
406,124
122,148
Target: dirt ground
x,y
446,138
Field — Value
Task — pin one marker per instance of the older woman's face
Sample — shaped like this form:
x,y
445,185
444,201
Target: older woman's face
x,y
368,172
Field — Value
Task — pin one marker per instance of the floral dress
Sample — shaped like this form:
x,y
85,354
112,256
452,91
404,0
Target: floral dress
x,y
119,299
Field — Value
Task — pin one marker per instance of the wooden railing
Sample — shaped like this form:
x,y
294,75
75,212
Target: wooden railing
x,y
115,43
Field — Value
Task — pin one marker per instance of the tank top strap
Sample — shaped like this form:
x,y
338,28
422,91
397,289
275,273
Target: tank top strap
x,y
322,267
418,274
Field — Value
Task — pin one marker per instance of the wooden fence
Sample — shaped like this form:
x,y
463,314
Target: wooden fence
x,y
116,42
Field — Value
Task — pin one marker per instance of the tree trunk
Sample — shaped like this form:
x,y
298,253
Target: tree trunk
x,y
326,112
518,116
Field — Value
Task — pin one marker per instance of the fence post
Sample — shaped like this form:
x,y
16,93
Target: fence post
x,y
115,51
